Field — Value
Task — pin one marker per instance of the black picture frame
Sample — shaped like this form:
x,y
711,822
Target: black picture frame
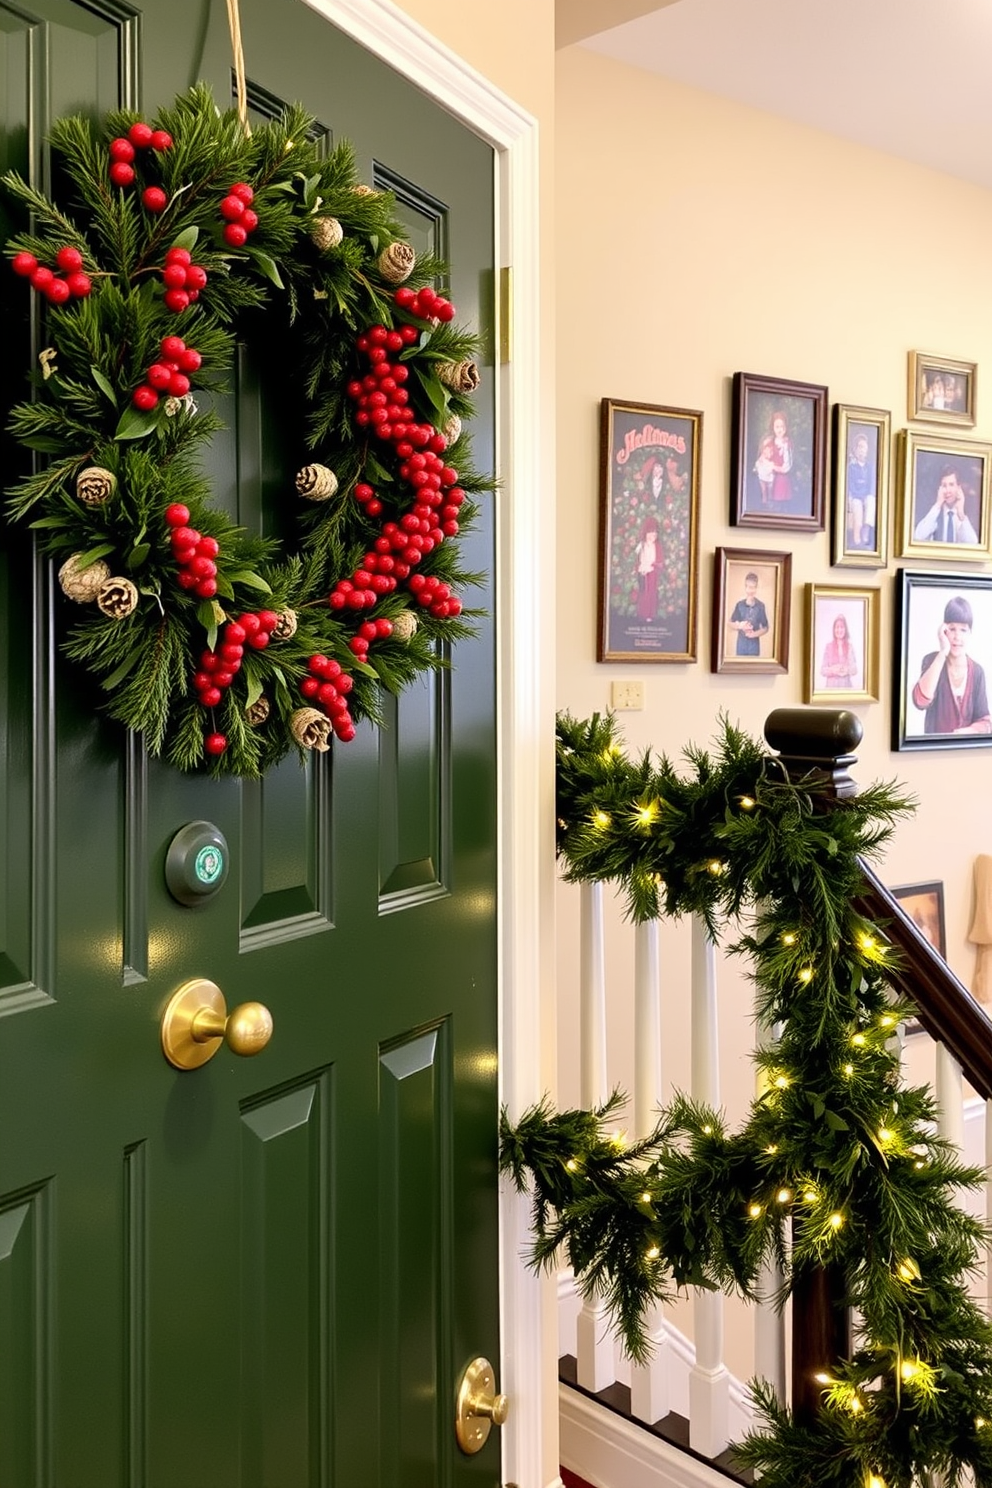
x,y
925,603
778,453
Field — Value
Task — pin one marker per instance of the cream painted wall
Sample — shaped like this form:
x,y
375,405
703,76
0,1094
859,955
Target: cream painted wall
x,y
696,238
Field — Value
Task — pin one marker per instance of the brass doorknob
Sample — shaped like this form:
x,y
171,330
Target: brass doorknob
x,y
196,1023
478,1407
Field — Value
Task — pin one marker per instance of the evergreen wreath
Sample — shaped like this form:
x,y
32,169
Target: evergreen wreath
x,y
177,238
837,1163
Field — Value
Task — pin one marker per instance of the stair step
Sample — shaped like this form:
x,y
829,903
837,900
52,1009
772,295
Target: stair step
x,y
672,1428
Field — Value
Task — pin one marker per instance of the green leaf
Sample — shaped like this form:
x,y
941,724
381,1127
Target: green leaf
x,y
224,587
250,580
267,266
136,423
92,554
254,691
186,239
117,676
45,444
51,522
206,613
104,385
835,1122
137,555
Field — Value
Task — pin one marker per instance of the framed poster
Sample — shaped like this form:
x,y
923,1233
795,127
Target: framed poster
x,y
649,519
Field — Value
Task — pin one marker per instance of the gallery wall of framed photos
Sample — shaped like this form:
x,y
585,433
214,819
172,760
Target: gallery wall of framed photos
x,y
773,269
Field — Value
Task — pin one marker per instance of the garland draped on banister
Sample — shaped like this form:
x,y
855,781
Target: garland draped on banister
x,y
837,1165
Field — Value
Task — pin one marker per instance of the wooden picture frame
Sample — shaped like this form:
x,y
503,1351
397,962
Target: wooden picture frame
x,y
648,531
861,446
942,390
924,904
945,505
752,596
842,628
778,453
932,707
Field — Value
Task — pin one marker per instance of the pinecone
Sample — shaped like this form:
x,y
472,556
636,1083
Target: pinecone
x,y
405,625
362,190
83,584
396,262
311,729
258,712
285,626
94,485
326,233
452,430
118,597
461,377
316,482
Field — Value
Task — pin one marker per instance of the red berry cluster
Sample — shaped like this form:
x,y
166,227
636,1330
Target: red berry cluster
x,y
239,218
195,554
183,280
170,375
433,594
122,153
218,668
327,687
425,303
76,285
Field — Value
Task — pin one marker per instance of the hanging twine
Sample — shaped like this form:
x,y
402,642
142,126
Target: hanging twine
x,y
234,24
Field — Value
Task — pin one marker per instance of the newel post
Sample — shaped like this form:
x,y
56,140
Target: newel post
x,y
818,742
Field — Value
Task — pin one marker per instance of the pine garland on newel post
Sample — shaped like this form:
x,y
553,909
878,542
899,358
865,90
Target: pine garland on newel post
x,y
837,1171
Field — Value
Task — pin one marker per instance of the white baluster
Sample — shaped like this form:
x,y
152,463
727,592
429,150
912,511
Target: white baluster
x,y
769,1322
649,1383
950,1097
709,1380
594,1341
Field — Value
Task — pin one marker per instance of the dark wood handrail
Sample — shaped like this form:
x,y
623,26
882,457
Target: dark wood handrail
x,y
944,1005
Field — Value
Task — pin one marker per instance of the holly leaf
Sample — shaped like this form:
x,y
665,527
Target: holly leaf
x,y
92,554
119,673
206,613
137,555
254,691
250,580
224,587
186,239
267,266
137,423
103,384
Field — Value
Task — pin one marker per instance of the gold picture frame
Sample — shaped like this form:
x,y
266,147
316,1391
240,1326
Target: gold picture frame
x,y
945,505
862,445
942,390
841,644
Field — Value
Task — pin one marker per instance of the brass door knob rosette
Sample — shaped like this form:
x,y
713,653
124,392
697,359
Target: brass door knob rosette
x,y
196,1023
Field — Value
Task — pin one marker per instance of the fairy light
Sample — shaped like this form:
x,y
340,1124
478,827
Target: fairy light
x,y
854,1403
908,1270
822,1378
646,814
858,1039
572,1165
836,1220
619,1140
980,1421
885,1134
810,1196
755,1211
849,1069
601,819
653,1253
707,1131
772,1148
867,942
789,938
909,1369
874,1481
645,1197
747,803
784,1196
888,1020
715,867
782,1082
806,975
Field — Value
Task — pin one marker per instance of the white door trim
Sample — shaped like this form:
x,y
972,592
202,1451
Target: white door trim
x,y
525,539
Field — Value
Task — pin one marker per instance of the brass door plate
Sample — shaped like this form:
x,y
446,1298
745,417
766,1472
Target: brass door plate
x,y
178,1044
478,1406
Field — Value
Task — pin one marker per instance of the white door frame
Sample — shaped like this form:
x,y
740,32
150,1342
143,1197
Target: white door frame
x,y
525,539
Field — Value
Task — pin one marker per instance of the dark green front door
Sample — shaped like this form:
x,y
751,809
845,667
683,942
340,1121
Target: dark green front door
x,y
268,1272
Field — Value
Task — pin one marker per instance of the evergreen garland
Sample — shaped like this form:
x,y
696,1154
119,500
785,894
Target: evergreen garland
x,y
309,302
837,1164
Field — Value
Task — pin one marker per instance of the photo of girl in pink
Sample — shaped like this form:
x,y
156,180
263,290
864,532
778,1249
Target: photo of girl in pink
x,y
839,665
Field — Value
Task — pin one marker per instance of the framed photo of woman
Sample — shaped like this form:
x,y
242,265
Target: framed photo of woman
x,y
778,453
648,532
752,592
841,645
943,659
862,440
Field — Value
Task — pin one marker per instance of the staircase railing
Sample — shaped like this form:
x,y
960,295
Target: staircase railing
x,y
686,1392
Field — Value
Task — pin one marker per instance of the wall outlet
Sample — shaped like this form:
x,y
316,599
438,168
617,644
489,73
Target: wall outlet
x,y
626,695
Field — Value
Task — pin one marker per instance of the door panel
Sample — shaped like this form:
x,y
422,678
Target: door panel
x,y
264,1273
